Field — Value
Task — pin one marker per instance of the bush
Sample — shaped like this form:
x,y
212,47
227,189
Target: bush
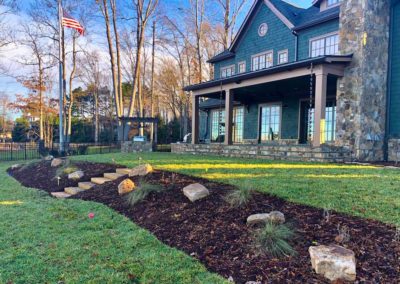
x,y
141,192
273,239
239,197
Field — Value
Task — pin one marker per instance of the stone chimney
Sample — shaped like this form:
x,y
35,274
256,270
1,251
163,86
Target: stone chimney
x,y
361,97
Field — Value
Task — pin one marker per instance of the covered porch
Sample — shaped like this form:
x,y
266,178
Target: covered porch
x,y
286,105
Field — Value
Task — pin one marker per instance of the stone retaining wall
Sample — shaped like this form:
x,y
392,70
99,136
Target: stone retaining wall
x,y
278,152
394,150
136,147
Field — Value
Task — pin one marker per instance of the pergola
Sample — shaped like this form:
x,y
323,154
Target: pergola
x,y
154,121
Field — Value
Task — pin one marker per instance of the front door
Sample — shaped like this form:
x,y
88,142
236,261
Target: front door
x,y
270,122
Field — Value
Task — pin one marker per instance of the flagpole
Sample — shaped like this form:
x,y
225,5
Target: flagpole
x,y
61,97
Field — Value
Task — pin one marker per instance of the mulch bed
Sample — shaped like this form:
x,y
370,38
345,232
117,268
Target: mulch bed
x,y
217,235
42,176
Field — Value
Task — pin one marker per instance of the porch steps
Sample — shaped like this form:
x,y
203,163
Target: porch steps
x,y
123,171
73,190
86,185
113,176
100,180
60,195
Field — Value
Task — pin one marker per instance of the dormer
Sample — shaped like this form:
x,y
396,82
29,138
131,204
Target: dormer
x,y
326,4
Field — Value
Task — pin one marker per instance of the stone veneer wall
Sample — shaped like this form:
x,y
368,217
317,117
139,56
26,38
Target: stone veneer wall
x,y
273,152
136,147
394,150
361,98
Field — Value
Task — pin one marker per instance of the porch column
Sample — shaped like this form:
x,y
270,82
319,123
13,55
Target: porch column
x,y
321,77
195,119
228,117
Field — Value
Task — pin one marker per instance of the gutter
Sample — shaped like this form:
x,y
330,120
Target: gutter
x,y
296,44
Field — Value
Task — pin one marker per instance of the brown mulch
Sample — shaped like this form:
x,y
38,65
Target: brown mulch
x,y
217,235
42,176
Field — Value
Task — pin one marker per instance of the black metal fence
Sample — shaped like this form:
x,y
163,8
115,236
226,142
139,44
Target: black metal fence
x,y
19,151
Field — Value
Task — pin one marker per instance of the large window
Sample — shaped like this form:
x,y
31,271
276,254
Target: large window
x,y
327,45
227,71
261,61
242,67
283,56
330,122
238,114
217,125
270,122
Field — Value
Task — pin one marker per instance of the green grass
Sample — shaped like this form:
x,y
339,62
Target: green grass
x,y
367,192
44,240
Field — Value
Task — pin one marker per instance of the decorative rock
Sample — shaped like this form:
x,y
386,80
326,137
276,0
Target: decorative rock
x,y
195,192
141,170
48,158
16,166
334,262
126,186
274,217
76,175
56,163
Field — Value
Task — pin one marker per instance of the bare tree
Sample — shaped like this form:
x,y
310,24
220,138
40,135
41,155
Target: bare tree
x,y
198,18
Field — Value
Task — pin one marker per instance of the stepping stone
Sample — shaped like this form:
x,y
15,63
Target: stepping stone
x,y
123,171
195,192
100,180
73,190
141,170
113,176
86,185
60,195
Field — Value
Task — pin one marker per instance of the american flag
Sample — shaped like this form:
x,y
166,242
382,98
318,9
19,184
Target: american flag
x,y
69,22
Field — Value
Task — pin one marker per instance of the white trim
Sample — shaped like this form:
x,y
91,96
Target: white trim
x,y
277,103
279,14
321,37
260,54
281,52
226,68
239,63
266,29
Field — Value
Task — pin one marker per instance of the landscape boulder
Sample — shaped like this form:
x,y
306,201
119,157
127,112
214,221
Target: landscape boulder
x,y
48,158
195,192
141,170
334,262
56,163
126,186
16,166
275,217
76,175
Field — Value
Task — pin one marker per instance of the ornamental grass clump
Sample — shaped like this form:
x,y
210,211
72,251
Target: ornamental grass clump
x,y
141,192
239,197
273,239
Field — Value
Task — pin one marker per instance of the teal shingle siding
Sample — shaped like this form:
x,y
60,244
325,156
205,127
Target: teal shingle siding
x,y
395,74
279,37
307,34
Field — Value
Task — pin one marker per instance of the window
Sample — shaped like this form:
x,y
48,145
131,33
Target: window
x,y
332,2
261,61
283,56
242,67
227,71
238,114
327,45
263,29
330,121
270,122
217,125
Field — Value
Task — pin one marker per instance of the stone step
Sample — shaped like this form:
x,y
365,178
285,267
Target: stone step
x,y
113,176
60,195
86,185
100,180
73,190
123,171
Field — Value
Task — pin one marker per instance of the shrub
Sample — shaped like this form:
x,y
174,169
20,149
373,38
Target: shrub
x,y
239,197
66,169
273,239
141,192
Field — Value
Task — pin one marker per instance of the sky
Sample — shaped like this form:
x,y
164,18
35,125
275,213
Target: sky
x,y
11,87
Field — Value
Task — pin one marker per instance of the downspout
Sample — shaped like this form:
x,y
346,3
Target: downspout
x,y
388,95
296,44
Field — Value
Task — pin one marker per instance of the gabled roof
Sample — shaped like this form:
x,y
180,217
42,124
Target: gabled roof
x,y
293,17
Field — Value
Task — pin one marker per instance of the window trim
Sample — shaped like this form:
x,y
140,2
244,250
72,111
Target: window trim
x,y
332,5
266,29
258,55
245,65
281,52
324,36
233,66
277,103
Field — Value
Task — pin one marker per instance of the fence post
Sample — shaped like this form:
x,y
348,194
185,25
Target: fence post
x,y
25,151
11,148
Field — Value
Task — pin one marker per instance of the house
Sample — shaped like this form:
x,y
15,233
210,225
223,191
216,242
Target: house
x,y
321,83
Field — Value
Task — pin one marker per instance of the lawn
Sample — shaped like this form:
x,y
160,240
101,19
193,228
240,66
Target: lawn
x,y
364,191
44,240
48,240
